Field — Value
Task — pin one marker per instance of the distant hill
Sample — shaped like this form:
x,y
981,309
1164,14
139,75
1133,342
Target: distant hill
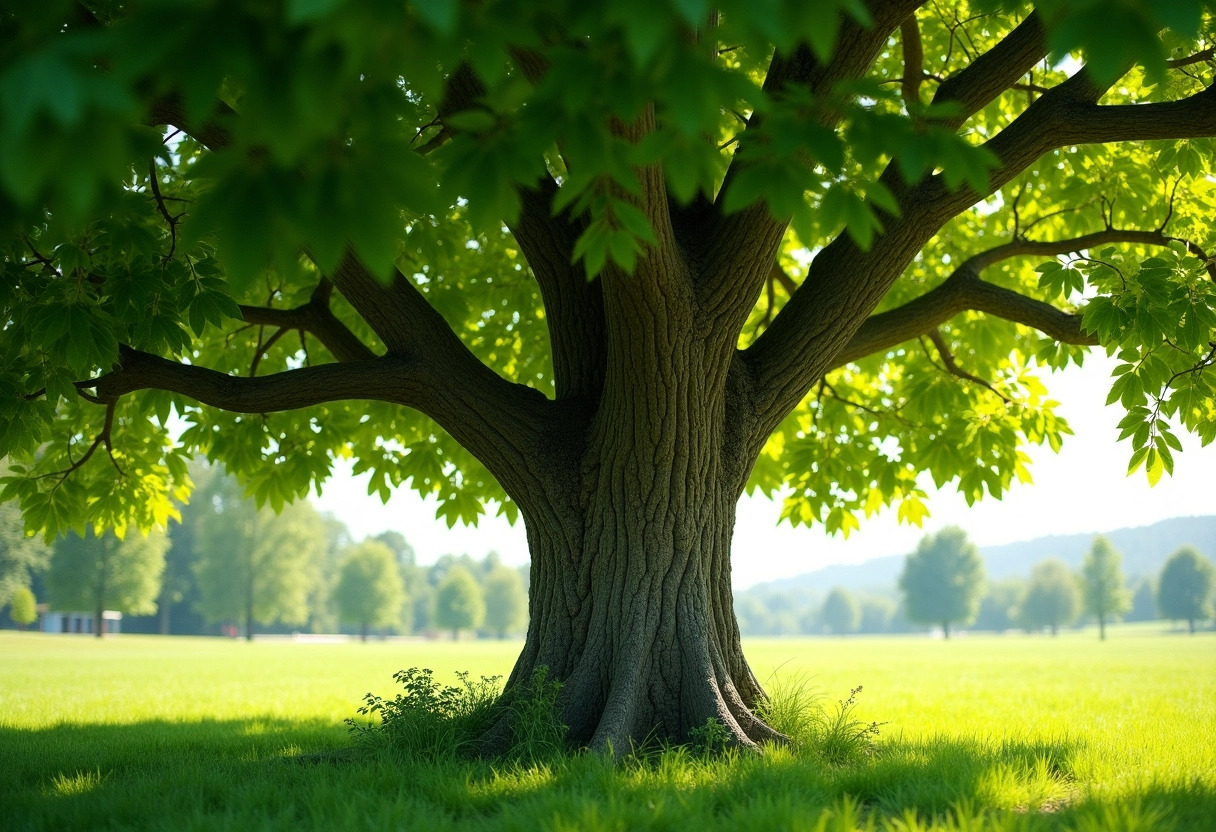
x,y
1144,549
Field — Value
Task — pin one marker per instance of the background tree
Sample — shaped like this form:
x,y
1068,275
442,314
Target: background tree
x,y
23,608
254,565
20,554
1051,599
419,594
876,614
942,580
506,601
369,592
1144,602
323,613
1102,584
1185,590
99,573
998,604
841,612
459,604
604,269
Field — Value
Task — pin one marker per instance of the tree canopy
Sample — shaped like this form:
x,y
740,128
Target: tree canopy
x,y
164,220
96,573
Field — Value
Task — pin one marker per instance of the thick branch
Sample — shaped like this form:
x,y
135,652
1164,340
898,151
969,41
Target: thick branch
x,y
914,61
509,428
995,71
317,318
574,307
746,243
964,290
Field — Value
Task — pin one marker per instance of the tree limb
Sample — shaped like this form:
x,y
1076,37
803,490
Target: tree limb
x,y
746,243
914,61
317,318
992,73
964,290
574,306
951,365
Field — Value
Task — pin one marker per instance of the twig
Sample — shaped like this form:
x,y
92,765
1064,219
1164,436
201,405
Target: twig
x,y
951,366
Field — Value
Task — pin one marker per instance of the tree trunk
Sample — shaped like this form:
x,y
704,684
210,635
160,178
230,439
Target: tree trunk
x,y
163,609
1102,628
946,630
363,632
631,606
1054,629
1190,624
249,617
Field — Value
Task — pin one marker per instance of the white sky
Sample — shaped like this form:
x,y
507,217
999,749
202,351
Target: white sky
x,y
1084,488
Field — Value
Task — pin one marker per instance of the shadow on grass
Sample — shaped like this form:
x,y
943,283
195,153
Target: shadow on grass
x,y
248,774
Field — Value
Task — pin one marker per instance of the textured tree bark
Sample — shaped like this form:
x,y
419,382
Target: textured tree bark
x,y
631,604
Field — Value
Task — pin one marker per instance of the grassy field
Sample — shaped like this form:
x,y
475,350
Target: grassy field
x,y
982,732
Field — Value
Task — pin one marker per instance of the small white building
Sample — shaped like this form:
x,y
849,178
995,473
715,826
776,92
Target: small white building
x,y
59,621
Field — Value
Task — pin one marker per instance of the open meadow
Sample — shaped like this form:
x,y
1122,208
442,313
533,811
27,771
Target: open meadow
x,y
993,732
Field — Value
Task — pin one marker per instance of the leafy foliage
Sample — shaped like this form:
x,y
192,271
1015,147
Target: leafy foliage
x,y
20,555
115,233
23,608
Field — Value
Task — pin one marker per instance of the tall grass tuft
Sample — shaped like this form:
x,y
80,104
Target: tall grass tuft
x,y
798,709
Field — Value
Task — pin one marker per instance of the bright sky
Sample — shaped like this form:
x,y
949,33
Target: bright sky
x,y
1084,488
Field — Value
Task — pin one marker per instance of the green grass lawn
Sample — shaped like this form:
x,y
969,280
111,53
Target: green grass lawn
x,y
991,732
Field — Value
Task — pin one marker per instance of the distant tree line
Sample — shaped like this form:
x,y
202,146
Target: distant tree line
x,y
943,586
230,567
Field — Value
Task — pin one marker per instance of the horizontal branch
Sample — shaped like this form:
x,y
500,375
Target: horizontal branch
x,y
964,290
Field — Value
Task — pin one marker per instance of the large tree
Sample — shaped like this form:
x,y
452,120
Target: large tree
x,y
1186,588
602,265
943,579
101,572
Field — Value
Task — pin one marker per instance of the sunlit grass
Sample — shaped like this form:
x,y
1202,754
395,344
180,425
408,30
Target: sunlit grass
x,y
1011,731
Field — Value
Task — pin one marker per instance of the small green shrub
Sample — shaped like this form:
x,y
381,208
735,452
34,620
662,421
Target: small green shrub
x,y
427,719
431,721
711,738
537,732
